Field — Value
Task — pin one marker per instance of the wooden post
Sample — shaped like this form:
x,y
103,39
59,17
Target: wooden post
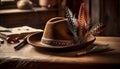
x,y
95,11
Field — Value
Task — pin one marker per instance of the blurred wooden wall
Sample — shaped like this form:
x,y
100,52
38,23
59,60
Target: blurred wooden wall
x,y
74,5
108,13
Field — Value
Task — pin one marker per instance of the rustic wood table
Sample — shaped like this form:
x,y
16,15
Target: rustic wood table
x,y
29,58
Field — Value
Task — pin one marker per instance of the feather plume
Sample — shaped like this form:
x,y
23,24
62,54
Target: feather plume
x,y
82,22
97,28
82,16
81,28
72,23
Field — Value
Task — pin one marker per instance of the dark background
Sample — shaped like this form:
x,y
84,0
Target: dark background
x,y
102,11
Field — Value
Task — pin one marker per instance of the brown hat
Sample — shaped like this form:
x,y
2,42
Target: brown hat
x,y
57,37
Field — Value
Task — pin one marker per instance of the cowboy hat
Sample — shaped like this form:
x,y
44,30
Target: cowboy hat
x,y
57,37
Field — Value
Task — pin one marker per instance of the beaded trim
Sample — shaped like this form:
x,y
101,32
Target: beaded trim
x,y
53,42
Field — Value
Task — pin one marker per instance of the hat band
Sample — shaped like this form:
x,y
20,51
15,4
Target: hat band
x,y
54,42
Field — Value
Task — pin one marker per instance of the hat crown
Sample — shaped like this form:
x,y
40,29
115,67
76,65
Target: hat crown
x,y
56,33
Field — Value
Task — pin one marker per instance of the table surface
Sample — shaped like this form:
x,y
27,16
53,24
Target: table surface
x,y
29,53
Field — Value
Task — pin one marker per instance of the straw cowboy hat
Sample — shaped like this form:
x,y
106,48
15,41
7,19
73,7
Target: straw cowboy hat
x,y
57,37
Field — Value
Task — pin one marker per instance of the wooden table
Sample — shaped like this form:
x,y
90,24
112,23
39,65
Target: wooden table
x,y
29,58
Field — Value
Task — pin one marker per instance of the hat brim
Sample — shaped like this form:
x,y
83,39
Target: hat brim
x,y
34,40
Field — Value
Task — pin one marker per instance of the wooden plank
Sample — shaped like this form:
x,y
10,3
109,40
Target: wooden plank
x,y
38,9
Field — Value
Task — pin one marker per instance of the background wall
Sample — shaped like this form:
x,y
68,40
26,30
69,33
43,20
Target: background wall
x,y
102,11
110,11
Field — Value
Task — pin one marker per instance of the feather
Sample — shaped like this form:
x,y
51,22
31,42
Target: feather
x,y
72,23
82,20
99,28
82,23
96,29
82,16
69,13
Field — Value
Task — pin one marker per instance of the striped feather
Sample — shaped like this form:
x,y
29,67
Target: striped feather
x,y
72,23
